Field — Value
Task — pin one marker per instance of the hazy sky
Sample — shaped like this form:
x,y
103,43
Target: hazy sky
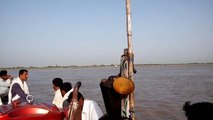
x,y
86,32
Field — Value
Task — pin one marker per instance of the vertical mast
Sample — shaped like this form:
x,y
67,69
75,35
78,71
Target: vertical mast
x,y
130,56
129,26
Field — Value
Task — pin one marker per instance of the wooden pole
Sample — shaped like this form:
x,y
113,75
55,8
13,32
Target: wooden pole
x,y
130,56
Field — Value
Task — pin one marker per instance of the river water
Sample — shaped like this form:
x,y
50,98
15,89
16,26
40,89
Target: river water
x,y
161,90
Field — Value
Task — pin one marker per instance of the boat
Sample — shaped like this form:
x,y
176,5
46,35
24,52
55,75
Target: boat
x,y
38,111
30,111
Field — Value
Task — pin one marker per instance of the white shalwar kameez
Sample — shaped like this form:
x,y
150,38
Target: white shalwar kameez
x,y
57,98
22,84
4,88
91,110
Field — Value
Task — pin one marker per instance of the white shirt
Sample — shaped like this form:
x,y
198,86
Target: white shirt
x,y
23,86
57,98
65,97
0,102
4,86
91,110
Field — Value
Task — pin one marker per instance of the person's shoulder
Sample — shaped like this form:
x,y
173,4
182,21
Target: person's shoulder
x,y
58,91
8,81
15,86
90,102
15,80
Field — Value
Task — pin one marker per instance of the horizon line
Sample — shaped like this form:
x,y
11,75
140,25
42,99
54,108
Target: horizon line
x,y
98,65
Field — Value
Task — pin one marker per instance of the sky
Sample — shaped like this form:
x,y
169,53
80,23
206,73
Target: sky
x,y
86,32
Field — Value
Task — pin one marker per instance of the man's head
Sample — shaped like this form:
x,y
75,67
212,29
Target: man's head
x,y
3,74
67,86
23,74
57,83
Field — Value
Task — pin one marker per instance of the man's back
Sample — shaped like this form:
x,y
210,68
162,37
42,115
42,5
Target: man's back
x,y
91,110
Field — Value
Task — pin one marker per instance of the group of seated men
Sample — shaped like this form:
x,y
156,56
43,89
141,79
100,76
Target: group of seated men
x,y
13,90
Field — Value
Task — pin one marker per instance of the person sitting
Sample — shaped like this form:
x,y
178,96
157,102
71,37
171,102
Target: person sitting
x,y
19,89
5,81
57,100
66,89
89,109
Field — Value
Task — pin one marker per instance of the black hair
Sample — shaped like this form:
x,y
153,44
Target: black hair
x,y
66,86
22,71
70,96
3,72
57,82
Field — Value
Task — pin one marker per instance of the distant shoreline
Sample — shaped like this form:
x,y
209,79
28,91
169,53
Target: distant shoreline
x,y
96,66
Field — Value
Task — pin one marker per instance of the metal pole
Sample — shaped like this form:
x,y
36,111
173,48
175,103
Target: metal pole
x,y
130,55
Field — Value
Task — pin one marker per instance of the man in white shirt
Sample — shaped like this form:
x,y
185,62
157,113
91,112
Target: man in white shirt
x,y
66,89
90,110
5,81
19,89
57,83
